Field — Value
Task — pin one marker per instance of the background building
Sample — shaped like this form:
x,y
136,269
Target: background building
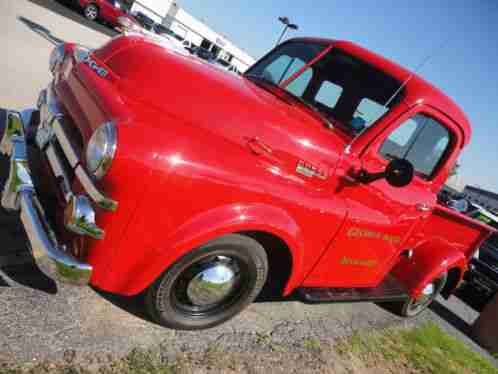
x,y
487,199
178,20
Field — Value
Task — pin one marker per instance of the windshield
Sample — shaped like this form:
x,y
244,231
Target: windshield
x,y
344,89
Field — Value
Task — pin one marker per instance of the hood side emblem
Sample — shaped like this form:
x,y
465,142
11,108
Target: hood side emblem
x,y
310,171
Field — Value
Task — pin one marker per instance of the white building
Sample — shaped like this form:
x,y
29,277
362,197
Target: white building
x,y
178,20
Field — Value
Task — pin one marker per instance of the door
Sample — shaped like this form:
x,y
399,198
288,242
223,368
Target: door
x,y
381,218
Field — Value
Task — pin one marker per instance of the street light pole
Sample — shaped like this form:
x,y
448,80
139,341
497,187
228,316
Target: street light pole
x,y
287,25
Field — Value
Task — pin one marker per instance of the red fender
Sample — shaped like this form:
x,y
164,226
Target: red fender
x,y
429,260
135,272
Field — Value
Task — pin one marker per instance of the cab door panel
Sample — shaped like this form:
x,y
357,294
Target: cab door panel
x,y
381,218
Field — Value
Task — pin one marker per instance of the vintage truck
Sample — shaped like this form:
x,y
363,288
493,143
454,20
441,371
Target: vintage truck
x,y
315,174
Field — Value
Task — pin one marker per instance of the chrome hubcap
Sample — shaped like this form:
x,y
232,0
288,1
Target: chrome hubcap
x,y
212,284
425,298
91,12
428,290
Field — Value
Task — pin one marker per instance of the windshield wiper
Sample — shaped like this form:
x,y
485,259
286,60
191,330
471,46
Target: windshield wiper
x,y
259,78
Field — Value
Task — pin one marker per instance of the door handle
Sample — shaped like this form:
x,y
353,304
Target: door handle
x,y
423,207
258,147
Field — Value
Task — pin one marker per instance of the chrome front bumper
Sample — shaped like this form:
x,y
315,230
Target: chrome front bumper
x,y
19,192
19,195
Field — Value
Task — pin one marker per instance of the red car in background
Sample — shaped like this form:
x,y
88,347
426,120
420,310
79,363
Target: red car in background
x,y
108,11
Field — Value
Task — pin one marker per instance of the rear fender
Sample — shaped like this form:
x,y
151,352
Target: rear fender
x,y
136,275
429,260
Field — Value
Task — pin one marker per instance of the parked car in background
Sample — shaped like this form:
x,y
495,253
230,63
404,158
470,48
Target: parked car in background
x,y
481,279
108,11
201,190
189,46
204,54
145,21
163,30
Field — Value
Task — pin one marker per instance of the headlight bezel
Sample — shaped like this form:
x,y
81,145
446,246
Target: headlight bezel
x,y
99,157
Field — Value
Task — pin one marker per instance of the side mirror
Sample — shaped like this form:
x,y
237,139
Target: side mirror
x,y
398,173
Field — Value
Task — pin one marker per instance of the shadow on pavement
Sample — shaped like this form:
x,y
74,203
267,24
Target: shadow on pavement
x,y
450,317
130,304
72,13
40,30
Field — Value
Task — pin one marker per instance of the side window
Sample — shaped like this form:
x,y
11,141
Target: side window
x,y
399,142
429,148
328,94
421,140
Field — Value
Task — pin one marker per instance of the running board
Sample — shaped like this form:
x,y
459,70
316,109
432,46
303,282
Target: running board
x,y
389,290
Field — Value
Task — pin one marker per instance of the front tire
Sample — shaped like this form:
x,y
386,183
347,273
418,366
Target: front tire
x,y
91,12
414,306
209,285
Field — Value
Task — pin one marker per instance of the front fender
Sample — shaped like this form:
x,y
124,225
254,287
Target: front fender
x,y
139,269
429,260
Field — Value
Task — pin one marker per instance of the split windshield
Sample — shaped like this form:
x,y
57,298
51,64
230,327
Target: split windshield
x,y
342,88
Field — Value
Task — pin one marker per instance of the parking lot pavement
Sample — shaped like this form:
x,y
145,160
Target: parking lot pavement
x,y
28,32
39,319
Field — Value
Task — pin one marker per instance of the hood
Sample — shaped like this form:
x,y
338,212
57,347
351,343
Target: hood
x,y
201,94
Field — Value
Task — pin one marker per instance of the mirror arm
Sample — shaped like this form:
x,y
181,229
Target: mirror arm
x,y
365,177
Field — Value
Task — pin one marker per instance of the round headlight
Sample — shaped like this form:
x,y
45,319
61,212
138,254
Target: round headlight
x,y
101,149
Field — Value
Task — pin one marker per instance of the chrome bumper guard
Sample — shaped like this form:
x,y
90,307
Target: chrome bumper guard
x,y
19,195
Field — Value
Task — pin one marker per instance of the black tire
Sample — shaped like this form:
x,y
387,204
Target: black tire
x,y
409,308
170,304
91,12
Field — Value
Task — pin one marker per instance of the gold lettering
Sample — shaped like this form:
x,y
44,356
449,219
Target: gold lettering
x,y
358,262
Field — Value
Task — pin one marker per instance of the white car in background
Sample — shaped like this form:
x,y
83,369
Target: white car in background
x,y
170,36
163,39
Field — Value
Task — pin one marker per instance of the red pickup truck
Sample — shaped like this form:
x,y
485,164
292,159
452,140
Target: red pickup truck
x,y
314,173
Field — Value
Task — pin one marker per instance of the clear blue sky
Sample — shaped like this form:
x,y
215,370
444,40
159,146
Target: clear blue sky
x,y
466,68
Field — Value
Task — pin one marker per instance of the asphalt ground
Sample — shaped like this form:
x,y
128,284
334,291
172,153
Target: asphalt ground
x,y
41,320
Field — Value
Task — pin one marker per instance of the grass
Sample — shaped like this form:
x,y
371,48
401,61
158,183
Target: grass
x,y
427,349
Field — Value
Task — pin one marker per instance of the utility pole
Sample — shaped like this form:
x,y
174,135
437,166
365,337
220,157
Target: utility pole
x,y
287,25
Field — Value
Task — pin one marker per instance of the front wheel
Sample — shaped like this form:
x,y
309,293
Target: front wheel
x,y
91,12
209,285
414,306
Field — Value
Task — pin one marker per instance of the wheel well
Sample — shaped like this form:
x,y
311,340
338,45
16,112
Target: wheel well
x,y
452,280
279,263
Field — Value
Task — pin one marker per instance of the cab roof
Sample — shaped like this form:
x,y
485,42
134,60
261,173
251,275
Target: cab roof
x,y
417,89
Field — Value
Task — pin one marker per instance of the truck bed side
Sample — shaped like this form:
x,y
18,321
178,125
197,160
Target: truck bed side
x,y
448,240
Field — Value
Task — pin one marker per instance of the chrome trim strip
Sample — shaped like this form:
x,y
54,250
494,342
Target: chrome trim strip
x,y
65,143
59,172
99,199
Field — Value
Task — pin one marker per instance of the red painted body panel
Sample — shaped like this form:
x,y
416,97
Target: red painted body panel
x,y
202,153
445,241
